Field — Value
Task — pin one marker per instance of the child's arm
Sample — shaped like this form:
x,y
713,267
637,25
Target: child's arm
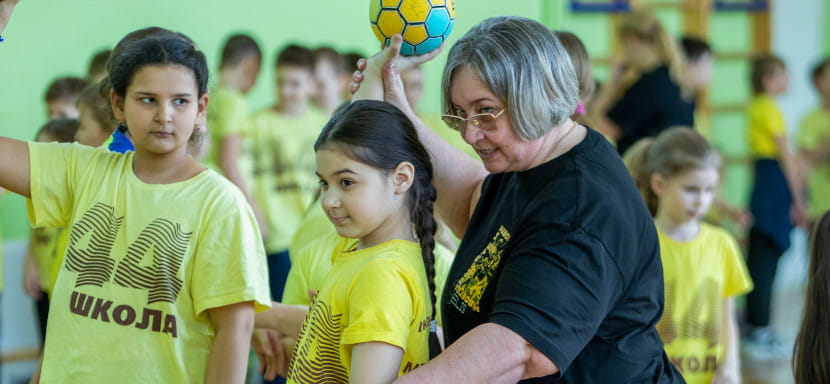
x,y
729,370
819,154
285,319
375,363
14,159
597,116
6,7
228,152
792,172
31,275
228,359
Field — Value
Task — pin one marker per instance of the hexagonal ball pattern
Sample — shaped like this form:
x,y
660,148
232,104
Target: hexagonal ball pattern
x,y
437,21
414,34
390,23
436,3
428,45
414,11
389,3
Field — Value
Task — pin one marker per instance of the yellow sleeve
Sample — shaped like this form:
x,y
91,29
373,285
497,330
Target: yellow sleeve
x,y
230,114
296,284
53,179
229,261
380,304
736,280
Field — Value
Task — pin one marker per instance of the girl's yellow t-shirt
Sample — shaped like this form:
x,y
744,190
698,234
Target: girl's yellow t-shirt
x,y
143,265
378,294
699,274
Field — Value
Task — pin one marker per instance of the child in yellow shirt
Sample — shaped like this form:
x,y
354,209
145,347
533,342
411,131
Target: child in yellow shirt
x,y
283,162
164,256
678,174
775,201
374,314
39,260
814,142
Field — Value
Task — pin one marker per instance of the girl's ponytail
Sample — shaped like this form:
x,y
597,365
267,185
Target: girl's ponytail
x,y
636,160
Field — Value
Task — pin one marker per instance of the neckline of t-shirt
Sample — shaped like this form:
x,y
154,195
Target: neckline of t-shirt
x,y
560,161
179,184
701,230
352,252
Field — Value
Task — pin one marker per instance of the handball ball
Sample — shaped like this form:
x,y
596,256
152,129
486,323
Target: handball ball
x,y
424,24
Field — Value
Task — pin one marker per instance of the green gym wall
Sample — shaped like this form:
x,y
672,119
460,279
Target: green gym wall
x,y
52,38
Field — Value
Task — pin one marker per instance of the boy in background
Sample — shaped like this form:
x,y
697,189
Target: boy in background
x,y
61,97
814,143
283,138
331,77
228,116
776,198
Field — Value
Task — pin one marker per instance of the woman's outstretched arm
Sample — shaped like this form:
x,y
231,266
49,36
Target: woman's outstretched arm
x,y
458,177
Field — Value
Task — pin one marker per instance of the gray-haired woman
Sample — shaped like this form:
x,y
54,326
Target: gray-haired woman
x,y
558,275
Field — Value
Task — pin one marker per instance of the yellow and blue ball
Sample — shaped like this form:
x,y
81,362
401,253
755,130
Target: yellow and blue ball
x,y
424,24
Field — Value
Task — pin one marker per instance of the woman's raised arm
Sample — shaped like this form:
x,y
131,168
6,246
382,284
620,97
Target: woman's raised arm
x,y
458,177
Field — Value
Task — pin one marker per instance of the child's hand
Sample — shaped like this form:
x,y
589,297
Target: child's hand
x,y
727,375
31,280
268,347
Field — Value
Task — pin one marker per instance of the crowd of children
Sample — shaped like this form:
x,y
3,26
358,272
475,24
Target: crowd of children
x,y
179,212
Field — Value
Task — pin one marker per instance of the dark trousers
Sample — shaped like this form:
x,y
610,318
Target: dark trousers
x,y
42,305
278,266
762,263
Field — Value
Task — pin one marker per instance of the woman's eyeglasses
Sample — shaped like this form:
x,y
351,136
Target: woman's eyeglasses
x,y
482,121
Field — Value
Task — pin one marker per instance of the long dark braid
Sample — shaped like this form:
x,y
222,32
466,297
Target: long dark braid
x,y
425,227
380,135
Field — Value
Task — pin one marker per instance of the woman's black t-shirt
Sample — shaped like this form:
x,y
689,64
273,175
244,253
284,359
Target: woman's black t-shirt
x,y
651,105
566,255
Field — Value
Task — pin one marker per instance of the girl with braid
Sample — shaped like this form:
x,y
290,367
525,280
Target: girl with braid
x,y
373,319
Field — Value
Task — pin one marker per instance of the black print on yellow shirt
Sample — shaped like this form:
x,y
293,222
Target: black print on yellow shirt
x,y
471,286
91,242
317,359
700,321
122,314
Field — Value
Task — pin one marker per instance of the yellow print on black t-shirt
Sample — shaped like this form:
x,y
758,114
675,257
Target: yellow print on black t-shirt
x,y
317,357
471,286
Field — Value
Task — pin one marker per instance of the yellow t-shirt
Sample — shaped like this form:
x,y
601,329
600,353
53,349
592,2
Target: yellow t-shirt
x,y
143,265
764,123
815,130
314,225
42,241
378,294
284,181
227,115
699,275
57,249
311,264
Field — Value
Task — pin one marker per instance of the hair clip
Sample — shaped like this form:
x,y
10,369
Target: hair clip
x,y
1,38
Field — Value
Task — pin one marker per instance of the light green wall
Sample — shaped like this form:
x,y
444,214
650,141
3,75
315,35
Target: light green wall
x,y
51,38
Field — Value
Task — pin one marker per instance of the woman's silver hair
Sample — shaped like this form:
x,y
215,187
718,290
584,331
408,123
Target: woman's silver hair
x,y
524,65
